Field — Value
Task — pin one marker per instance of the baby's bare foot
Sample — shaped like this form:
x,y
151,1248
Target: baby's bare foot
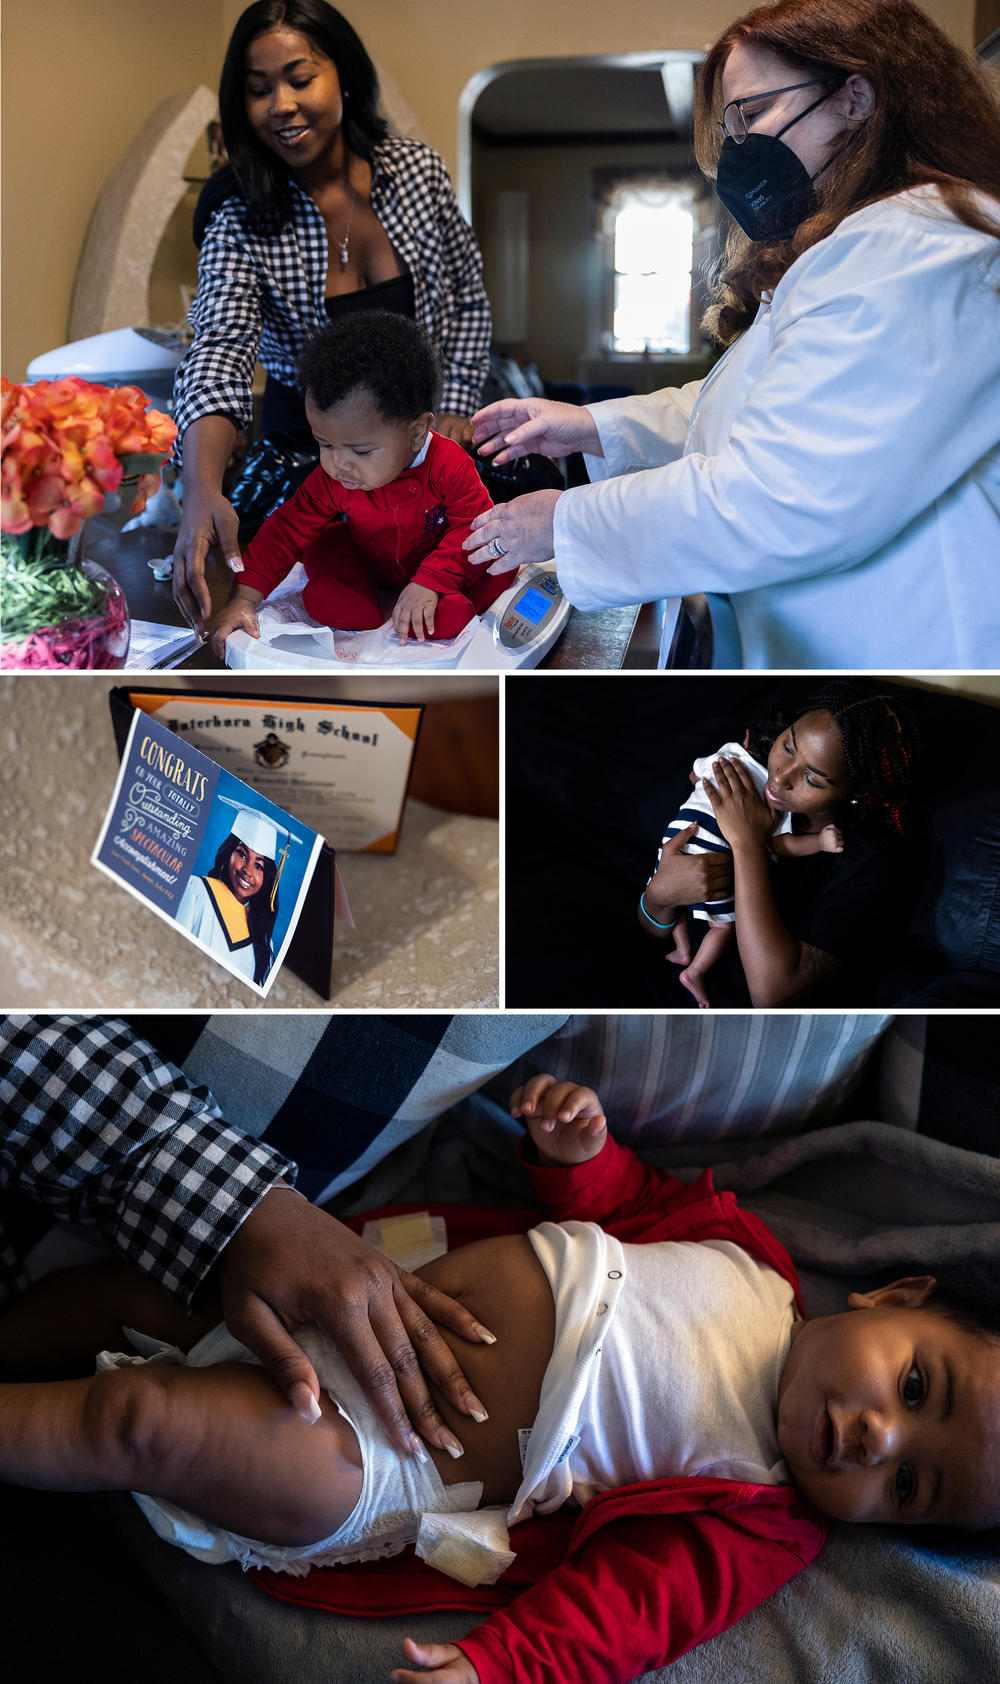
x,y
691,980
681,954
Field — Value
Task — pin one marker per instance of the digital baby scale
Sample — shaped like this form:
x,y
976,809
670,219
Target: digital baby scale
x,y
518,630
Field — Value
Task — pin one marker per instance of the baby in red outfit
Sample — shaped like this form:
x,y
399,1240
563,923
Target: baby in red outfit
x,y
389,505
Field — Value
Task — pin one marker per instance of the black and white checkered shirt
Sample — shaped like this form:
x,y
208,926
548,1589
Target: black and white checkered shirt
x,y
261,296
100,1130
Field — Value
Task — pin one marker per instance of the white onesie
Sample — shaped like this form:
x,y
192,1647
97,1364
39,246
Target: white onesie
x,y
666,1362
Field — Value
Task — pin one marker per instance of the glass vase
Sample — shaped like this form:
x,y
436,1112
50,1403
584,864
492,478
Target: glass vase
x,y
60,609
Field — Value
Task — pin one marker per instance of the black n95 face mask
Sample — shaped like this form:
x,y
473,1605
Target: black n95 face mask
x,y
764,184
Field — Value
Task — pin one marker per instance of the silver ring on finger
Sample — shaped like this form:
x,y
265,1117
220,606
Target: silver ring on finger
x,y
497,548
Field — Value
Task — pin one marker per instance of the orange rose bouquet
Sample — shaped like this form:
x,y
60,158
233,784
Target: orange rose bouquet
x,y
68,446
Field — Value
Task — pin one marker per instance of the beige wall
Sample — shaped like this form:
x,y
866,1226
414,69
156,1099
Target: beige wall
x,y
81,76
981,686
432,47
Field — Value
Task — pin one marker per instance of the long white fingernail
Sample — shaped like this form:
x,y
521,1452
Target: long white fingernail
x,y
484,1333
451,1444
234,564
416,1445
305,1404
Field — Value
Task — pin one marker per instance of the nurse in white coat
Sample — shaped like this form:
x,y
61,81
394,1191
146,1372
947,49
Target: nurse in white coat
x,y
838,472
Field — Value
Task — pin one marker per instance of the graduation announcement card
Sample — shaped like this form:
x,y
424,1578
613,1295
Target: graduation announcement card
x,y
207,853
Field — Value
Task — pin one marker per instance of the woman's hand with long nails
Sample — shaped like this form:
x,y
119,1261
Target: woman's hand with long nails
x,y
745,819
208,521
292,1265
682,879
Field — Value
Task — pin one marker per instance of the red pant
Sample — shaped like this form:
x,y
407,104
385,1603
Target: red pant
x,y
344,581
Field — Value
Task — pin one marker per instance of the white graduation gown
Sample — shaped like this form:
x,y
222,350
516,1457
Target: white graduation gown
x,y
197,913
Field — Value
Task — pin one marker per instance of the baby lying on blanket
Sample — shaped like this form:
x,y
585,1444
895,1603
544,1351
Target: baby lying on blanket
x,y
651,1366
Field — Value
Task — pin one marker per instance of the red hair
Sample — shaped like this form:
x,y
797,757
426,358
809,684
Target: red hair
x,y
935,121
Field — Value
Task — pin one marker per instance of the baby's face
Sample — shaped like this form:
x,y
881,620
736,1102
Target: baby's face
x,y
891,1413
361,448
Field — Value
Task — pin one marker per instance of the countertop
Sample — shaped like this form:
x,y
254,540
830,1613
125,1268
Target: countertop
x,y
595,642
72,940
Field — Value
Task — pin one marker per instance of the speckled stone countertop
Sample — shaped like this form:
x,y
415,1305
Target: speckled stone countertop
x,y
70,940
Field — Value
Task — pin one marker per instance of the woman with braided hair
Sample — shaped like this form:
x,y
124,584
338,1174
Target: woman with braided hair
x,y
822,795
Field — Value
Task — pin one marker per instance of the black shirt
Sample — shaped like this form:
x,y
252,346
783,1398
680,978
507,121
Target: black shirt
x,y
283,413
851,905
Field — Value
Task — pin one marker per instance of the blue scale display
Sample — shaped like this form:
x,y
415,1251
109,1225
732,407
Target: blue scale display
x,y
530,611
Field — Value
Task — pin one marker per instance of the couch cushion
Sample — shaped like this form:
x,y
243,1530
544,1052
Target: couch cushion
x,y
339,1093
705,1077
938,1076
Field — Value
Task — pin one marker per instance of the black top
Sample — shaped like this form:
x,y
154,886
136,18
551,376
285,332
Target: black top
x,y
852,905
395,294
841,902
283,415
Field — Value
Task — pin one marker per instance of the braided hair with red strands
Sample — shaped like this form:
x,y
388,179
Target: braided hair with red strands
x,y
881,744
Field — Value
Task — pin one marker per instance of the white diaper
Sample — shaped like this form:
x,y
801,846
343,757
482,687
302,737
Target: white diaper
x,y
397,1490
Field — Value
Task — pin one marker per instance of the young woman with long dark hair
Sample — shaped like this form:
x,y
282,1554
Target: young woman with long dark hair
x,y
233,907
319,212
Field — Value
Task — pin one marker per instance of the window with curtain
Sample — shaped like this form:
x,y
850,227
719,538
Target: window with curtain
x,y
646,224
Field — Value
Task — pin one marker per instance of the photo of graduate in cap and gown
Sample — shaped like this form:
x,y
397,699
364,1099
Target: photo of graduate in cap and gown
x,y
232,908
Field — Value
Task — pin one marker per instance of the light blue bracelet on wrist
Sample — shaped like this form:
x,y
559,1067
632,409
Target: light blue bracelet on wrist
x,y
653,921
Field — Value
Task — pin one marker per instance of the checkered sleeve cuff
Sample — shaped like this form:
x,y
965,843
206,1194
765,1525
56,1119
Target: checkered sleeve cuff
x,y
102,1131
188,1197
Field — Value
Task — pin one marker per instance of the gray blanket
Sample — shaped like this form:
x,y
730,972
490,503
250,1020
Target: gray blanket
x,y
880,1606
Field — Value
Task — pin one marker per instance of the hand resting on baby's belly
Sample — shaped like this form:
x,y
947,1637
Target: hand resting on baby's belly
x,y
502,1282
225,1446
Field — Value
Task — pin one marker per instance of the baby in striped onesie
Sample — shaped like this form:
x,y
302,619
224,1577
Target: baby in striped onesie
x,y
708,838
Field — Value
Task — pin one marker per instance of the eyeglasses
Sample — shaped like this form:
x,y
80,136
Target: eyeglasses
x,y
734,124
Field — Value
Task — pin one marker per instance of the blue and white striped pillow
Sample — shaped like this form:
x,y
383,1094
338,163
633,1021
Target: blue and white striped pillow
x,y
708,1076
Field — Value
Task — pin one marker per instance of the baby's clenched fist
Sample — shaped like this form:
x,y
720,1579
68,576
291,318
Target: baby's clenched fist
x,y
566,1122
